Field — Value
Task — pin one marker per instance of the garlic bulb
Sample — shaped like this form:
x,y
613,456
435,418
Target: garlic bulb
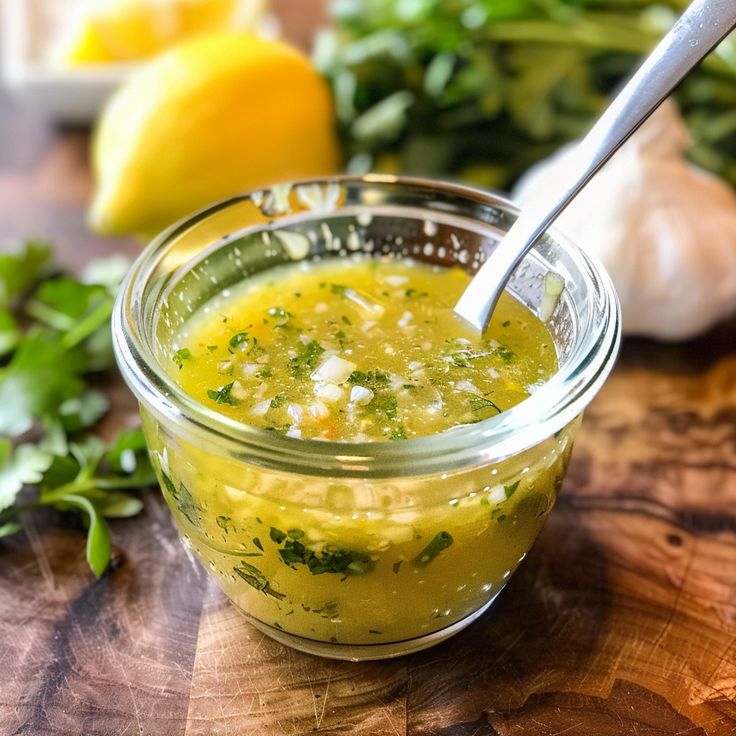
x,y
664,229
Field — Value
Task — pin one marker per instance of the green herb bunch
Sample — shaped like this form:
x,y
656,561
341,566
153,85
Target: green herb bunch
x,y
55,345
481,89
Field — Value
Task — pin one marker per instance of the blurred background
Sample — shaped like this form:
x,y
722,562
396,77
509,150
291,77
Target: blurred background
x,y
190,101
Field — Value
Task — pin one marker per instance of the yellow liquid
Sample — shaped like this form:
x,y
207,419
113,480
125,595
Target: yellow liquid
x,y
356,560
360,350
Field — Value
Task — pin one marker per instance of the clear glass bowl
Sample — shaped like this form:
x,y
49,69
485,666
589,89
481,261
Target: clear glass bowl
x,y
435,526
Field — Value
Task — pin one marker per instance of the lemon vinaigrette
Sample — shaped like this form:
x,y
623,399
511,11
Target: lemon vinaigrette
x,y
360,349
359,472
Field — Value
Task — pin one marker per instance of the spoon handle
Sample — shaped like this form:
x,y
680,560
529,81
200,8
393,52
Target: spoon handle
x,y
700,28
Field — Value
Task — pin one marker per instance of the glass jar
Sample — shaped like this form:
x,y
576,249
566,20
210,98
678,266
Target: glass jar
x,y
429,529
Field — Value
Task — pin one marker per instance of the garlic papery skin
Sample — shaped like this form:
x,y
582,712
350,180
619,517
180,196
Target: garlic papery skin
x,y
664,229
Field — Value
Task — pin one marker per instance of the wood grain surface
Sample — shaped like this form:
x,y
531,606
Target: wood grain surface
x,y
621,621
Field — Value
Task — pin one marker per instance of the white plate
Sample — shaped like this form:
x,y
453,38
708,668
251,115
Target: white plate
x,y
29,32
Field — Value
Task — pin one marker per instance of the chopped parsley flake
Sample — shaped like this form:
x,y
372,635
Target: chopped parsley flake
x,y
387,383
440,542
183,499
387,404
339,561
306,359
372,379
277,402
181,355
256,579
481,403
506,355
342,339
399,433
384,401
222,395
328,560
511,489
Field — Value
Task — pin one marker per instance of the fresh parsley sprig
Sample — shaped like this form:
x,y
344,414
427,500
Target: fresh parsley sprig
x,y
481,89
54,337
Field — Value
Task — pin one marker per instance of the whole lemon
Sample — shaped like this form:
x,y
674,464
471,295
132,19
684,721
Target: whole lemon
x,y
210,118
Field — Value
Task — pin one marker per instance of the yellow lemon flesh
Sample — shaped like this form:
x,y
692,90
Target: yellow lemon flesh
x,y
123,30
211,118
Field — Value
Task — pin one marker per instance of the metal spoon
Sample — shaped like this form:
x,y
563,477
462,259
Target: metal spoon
x,y
700,28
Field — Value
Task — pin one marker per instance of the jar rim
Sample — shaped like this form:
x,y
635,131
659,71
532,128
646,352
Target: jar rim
x,y
548,410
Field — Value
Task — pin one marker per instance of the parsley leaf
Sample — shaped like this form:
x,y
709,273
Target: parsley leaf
x,y
19,271
338,561
277,535
10,334
26,464
84,410
45,359
41,375
88,480
62,302
182,498
129,454
98,535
